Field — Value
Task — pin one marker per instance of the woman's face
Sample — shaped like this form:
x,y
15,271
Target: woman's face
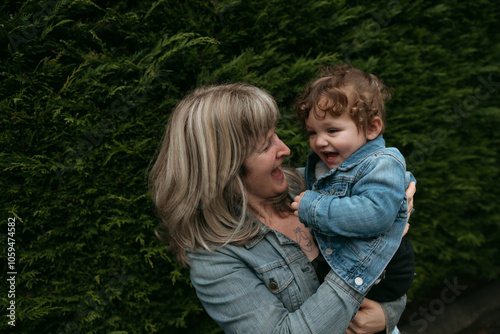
x,y
264,177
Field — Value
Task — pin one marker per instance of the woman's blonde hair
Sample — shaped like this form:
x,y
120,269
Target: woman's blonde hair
x,y
196,181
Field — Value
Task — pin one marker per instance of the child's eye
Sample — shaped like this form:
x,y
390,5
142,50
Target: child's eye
x,y
332,131
311,133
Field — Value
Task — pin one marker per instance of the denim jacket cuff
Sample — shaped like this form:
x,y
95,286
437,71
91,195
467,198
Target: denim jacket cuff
x,y
336,282
307,208
393,311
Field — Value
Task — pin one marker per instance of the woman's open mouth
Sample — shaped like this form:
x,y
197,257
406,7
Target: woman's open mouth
x,y
277,173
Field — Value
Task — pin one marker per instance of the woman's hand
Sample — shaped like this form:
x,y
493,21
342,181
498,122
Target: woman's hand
x,y
410,191
369,319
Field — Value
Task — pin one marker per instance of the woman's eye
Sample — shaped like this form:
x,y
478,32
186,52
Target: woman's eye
x,y
269,143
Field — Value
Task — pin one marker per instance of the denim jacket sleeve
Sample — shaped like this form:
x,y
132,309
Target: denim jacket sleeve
x,y
392,311
409,177
240,302
370,208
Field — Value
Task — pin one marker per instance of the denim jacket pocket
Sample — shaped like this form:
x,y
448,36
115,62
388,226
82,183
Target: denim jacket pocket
x,y
361,248
278,279
340,189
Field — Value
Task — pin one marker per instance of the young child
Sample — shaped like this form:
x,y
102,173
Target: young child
x,y
357,205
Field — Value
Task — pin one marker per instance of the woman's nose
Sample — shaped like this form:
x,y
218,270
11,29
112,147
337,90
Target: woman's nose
x,y
283,150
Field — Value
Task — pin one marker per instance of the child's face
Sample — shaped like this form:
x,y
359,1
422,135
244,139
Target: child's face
x,y
334,139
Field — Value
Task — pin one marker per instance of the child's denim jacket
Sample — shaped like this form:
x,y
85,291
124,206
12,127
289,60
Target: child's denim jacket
x,y
358,211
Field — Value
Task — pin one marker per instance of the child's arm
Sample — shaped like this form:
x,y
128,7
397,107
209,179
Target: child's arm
x,y
410,183
370,210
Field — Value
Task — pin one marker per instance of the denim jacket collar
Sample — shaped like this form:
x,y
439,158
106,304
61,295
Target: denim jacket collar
x,y
263,230
355,159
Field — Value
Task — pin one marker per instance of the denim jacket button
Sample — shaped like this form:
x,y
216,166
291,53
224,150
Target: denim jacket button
x,y
358,281
328,251
273,285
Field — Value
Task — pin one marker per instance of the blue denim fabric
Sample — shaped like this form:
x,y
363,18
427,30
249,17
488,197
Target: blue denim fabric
x,y
358,211
269,286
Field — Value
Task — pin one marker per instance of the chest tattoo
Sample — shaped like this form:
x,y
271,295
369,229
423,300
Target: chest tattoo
x,y
303,239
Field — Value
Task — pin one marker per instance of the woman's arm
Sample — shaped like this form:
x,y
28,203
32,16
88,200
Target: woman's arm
x,y
241,302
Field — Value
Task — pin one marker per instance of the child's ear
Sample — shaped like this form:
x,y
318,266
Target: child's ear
x,y
374,128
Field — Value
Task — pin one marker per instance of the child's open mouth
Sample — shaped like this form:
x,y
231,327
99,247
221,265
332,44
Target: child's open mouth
x,y
330,156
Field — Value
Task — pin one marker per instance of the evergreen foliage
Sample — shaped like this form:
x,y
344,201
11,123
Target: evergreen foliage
x,y
86,90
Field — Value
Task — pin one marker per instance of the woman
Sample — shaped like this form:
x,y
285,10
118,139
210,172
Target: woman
x,y
223,196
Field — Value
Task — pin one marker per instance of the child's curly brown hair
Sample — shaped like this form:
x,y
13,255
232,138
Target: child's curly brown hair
x,y
344,88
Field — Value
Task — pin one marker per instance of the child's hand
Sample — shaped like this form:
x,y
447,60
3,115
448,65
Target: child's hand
x,y
295,204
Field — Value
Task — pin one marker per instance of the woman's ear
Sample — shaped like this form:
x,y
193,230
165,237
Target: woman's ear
x,y
374,128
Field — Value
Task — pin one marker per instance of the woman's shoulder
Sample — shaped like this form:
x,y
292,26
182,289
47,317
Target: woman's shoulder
x,y
210,264
265,249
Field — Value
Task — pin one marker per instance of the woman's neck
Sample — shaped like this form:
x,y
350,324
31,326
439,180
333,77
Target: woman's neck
x,y
261,206
266,213
287,224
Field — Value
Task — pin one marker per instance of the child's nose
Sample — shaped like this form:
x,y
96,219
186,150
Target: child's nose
x,y
321,141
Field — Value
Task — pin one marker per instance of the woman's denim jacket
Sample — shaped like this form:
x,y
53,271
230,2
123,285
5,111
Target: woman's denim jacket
x,y
358,211
270,286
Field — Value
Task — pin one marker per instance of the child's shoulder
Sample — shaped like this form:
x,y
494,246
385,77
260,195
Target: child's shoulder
x,y
389,151
387,159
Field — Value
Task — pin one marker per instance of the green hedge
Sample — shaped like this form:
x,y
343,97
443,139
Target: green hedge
x,y
86,90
